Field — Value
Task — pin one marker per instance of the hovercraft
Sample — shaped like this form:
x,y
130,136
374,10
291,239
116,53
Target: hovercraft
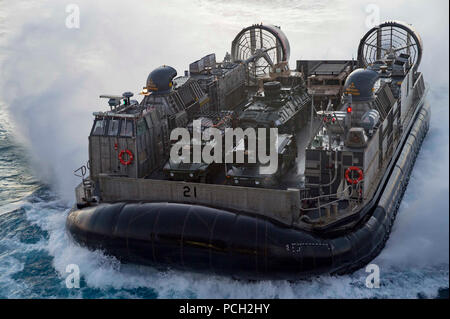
x,y
350,132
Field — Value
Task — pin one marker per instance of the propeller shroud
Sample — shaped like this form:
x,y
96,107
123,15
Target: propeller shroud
x,y
388,40
260,46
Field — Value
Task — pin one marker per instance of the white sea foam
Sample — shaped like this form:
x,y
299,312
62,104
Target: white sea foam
x,y
420,235
104,273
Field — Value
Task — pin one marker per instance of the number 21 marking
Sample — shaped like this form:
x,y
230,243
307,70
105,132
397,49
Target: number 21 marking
x,y
187,191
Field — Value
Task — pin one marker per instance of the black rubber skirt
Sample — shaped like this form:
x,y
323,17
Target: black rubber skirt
x,y
199,238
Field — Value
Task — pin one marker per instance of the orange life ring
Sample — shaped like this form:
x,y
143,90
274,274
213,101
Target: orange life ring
x,y
351,180
130,157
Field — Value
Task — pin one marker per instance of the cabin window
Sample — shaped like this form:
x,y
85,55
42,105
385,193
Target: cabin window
x,y
99,127
113,128
126,128
332,82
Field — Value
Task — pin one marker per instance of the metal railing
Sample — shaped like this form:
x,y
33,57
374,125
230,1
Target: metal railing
x,y
87,183
343,195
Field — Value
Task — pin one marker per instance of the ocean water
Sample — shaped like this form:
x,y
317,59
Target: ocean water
x,y
51,76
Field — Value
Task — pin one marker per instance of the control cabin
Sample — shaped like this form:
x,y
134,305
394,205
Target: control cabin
x,y
325,80
132,139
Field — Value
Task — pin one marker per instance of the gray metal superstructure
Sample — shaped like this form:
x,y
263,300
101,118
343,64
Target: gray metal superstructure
x,y
284,108
223,82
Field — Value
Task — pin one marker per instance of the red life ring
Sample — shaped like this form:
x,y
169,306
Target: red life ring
x,y
360,175
130,157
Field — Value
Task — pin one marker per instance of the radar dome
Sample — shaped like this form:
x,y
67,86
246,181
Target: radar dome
x,y
160,79
360,84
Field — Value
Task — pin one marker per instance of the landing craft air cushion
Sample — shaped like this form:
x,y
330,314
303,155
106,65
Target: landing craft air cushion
x,y
357,125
